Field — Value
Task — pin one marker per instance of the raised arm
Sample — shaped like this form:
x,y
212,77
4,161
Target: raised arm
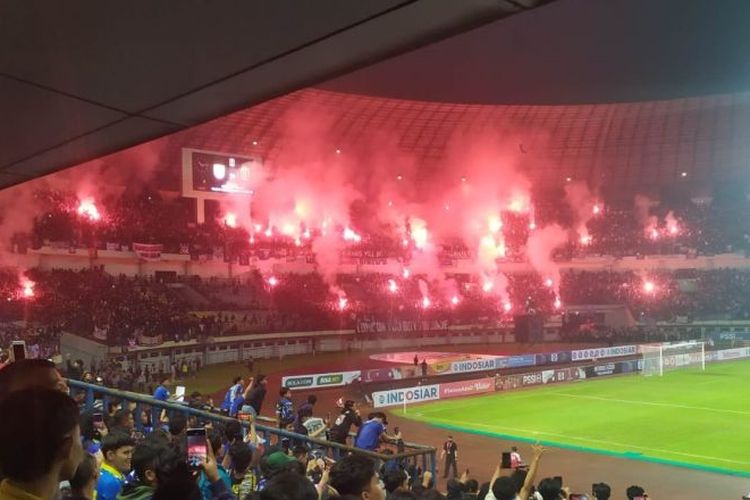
x,y
538,451
246,392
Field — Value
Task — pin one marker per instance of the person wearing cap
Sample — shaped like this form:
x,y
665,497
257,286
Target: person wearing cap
x,y
342,425
372,432
273,463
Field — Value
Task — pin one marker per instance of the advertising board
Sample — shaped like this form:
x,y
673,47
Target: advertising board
x,y
466,387
473,365
409,395
603,352
319,380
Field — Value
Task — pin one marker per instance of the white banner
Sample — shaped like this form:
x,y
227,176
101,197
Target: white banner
x,y
147,251
473,365
740,352
409,395
604,352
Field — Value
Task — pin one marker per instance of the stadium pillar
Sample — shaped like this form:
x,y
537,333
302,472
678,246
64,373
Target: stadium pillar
x,y
200,206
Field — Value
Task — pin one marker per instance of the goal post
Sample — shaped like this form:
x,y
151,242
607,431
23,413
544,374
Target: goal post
x,y
659,358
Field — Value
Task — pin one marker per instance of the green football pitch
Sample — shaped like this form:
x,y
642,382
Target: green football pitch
x,y
688,418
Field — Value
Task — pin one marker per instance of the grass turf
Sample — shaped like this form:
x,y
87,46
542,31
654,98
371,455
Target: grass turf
x,y
688,418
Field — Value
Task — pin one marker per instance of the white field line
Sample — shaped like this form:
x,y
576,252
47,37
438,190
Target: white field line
x,y
652,403
479,400
530,432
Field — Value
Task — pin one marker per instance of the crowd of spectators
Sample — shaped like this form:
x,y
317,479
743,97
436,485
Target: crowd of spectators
x,y
55,445
143,216
123,311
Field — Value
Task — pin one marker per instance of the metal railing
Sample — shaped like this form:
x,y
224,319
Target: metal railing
x,y
264,426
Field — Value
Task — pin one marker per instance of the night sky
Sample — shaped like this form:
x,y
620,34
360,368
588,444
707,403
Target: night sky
x,y
577,51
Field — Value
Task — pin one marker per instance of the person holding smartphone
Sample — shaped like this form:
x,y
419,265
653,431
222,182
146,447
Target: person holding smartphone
x,y
504,487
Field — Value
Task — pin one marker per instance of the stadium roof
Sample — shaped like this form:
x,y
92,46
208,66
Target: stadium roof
x,y
689,142
577,52
82,79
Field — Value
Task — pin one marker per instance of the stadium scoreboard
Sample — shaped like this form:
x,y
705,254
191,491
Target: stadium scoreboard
x,y
212,175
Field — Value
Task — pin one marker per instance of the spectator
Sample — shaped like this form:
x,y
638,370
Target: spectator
x,y
160,394
213,438
601,491
395,480
472,488
551,489
372,432
258,394
402,495
506,488
275,462
41,443
180,484
83,483
342,425
234,392
242,477
123,421
309,405
28,373
285,408
288,486
635,493
153,462
356,475
307,425
118,451
455,489
178,428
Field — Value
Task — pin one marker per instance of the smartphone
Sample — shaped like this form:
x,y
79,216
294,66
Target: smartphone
x,y
505,460
18,350
197,447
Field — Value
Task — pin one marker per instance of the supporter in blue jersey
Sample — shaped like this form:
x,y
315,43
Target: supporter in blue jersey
x,y
118,452
161,394
372,432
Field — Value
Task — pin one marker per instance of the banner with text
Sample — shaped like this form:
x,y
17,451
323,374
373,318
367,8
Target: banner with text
x,y
409,395
473,365
604,352
466,388
147,251
317,380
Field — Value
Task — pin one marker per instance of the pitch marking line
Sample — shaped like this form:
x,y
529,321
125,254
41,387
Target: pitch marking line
x,y
590,440
651,403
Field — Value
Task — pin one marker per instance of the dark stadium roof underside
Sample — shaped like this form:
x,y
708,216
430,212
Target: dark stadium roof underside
x,y
628,146
82,79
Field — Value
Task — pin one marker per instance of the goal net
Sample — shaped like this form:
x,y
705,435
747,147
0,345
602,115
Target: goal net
x,y
658,358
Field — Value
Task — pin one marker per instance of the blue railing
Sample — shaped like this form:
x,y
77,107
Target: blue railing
x,y
265,427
